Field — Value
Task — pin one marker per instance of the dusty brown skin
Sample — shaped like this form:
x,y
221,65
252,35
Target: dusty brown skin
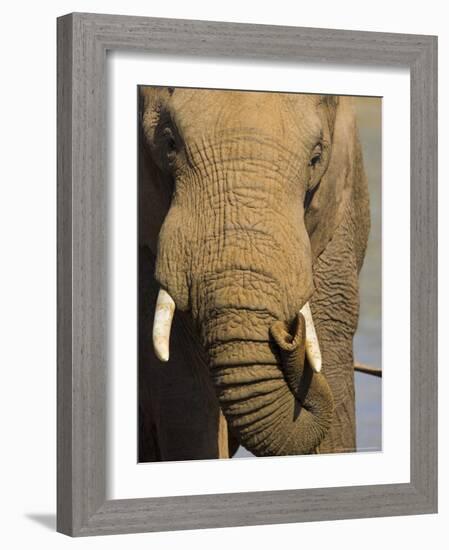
x,y
264,207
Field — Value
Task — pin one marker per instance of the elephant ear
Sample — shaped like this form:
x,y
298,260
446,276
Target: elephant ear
x,y
344,183
155,187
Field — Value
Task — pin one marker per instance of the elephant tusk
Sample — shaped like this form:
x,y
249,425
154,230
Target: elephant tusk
x,y
163,317
312,345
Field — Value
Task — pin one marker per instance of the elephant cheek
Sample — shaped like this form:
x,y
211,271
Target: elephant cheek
x,y
173,258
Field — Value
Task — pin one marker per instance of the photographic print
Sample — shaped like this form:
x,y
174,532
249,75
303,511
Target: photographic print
x,y
259,285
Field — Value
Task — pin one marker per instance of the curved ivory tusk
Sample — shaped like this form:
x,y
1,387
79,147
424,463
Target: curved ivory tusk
x,y
163,317
312,345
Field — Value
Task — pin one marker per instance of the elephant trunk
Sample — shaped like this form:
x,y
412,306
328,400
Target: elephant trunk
x,y
273,401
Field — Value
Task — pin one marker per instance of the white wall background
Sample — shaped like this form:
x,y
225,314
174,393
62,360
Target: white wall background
x,y
28,268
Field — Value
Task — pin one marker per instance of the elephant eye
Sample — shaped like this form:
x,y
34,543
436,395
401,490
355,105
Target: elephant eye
x,y
316,165
318,162
169,138
315,159
316,155
166,144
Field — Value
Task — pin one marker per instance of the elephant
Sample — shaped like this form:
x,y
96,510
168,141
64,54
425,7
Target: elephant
x,y
253,225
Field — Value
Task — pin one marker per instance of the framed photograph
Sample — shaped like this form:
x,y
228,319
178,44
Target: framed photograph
x,y
247,282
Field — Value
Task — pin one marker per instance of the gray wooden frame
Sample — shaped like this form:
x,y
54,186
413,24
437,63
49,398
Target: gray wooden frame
x,y
83,40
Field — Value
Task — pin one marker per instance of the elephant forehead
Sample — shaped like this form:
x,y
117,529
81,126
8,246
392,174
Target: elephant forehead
x,y
217,112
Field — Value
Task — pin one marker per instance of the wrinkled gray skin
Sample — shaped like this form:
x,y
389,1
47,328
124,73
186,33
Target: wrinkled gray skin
x,y
262,205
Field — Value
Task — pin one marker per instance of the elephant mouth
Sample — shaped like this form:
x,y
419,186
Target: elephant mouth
x,y
163,318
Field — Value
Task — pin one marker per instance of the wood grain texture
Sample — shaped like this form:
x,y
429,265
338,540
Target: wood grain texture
x,y
64,278
423,275
83,40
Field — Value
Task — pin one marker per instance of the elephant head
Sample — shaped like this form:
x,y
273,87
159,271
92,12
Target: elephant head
x,y
267,214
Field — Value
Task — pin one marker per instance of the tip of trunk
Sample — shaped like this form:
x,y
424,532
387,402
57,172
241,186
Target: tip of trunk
x,y
273,401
